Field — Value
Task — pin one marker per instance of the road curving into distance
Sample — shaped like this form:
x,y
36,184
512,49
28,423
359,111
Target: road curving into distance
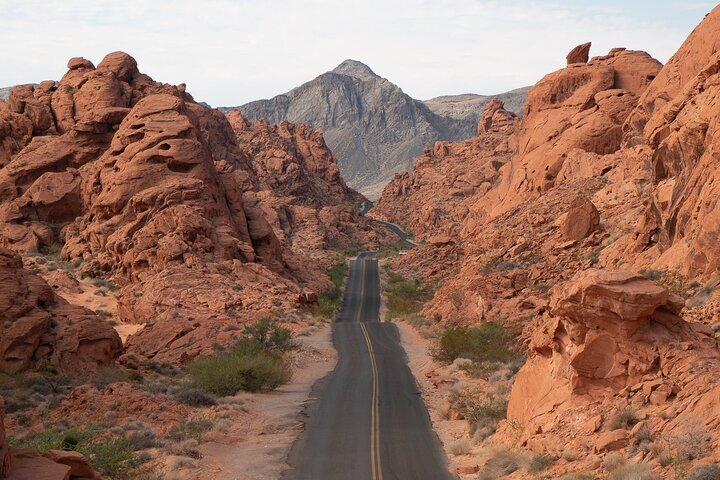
x,y
368,420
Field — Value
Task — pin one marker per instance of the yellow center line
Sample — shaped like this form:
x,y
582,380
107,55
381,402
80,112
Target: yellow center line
x,y
375,459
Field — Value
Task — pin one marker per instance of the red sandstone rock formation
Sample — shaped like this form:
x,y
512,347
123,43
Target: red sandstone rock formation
x,y
37,327
435,196
300,191
141,183
579,54
611,339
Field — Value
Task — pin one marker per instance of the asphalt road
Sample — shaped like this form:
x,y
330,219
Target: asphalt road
x,y
369,421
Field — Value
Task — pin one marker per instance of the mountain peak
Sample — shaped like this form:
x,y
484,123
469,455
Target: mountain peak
x,y
354,68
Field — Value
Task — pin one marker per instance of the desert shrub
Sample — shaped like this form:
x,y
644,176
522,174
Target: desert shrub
x,y
185,448
329,301
142,439
501,464
107,375
480,411
181,463
701,297
579,476
704,472
505,266
633,471
653,275
462,446
192,429
538,463
270,335
255,362
405,296
194,397
623,418
247,367
643,435
489,342
113,457
691,443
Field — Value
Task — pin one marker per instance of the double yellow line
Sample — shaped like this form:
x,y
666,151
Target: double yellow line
x,y
375,459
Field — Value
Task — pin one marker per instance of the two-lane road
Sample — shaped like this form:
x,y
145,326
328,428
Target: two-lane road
x,y
369,422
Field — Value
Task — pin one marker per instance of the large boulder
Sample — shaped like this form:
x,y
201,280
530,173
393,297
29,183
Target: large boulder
x,y
606,333
581,220
579,54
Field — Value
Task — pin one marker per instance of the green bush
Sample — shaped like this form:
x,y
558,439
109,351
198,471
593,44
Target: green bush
x,y
329,302
254,363
489,342
195,398
270,335
405,297
240,369
113,457
480,411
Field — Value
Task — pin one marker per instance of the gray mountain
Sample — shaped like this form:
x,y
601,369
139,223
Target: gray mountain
x,y
373,128
470,106
5,93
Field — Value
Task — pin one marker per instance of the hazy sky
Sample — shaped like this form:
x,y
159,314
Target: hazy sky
x,y
232,52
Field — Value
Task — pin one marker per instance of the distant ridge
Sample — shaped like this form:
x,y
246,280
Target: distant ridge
x,y
374,129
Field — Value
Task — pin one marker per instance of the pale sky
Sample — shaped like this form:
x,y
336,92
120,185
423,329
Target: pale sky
x,y
231,52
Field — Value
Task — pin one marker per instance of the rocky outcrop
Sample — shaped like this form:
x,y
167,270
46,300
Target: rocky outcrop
x,y
37,327
311,209
579,54
374,129
581,107
138,182
609,338
675,129
436,195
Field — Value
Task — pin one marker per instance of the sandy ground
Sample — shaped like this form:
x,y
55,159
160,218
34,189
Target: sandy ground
x,y
274,421
417,348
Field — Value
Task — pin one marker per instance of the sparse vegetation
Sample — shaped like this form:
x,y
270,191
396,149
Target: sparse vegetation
x,y
579,476
255,362
489,342
623,418
390,250
692,443
113,456
501,464
621,469
704,472
193,429
329,302
482,412
405,296
461,446
194,397
107,375
538,463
